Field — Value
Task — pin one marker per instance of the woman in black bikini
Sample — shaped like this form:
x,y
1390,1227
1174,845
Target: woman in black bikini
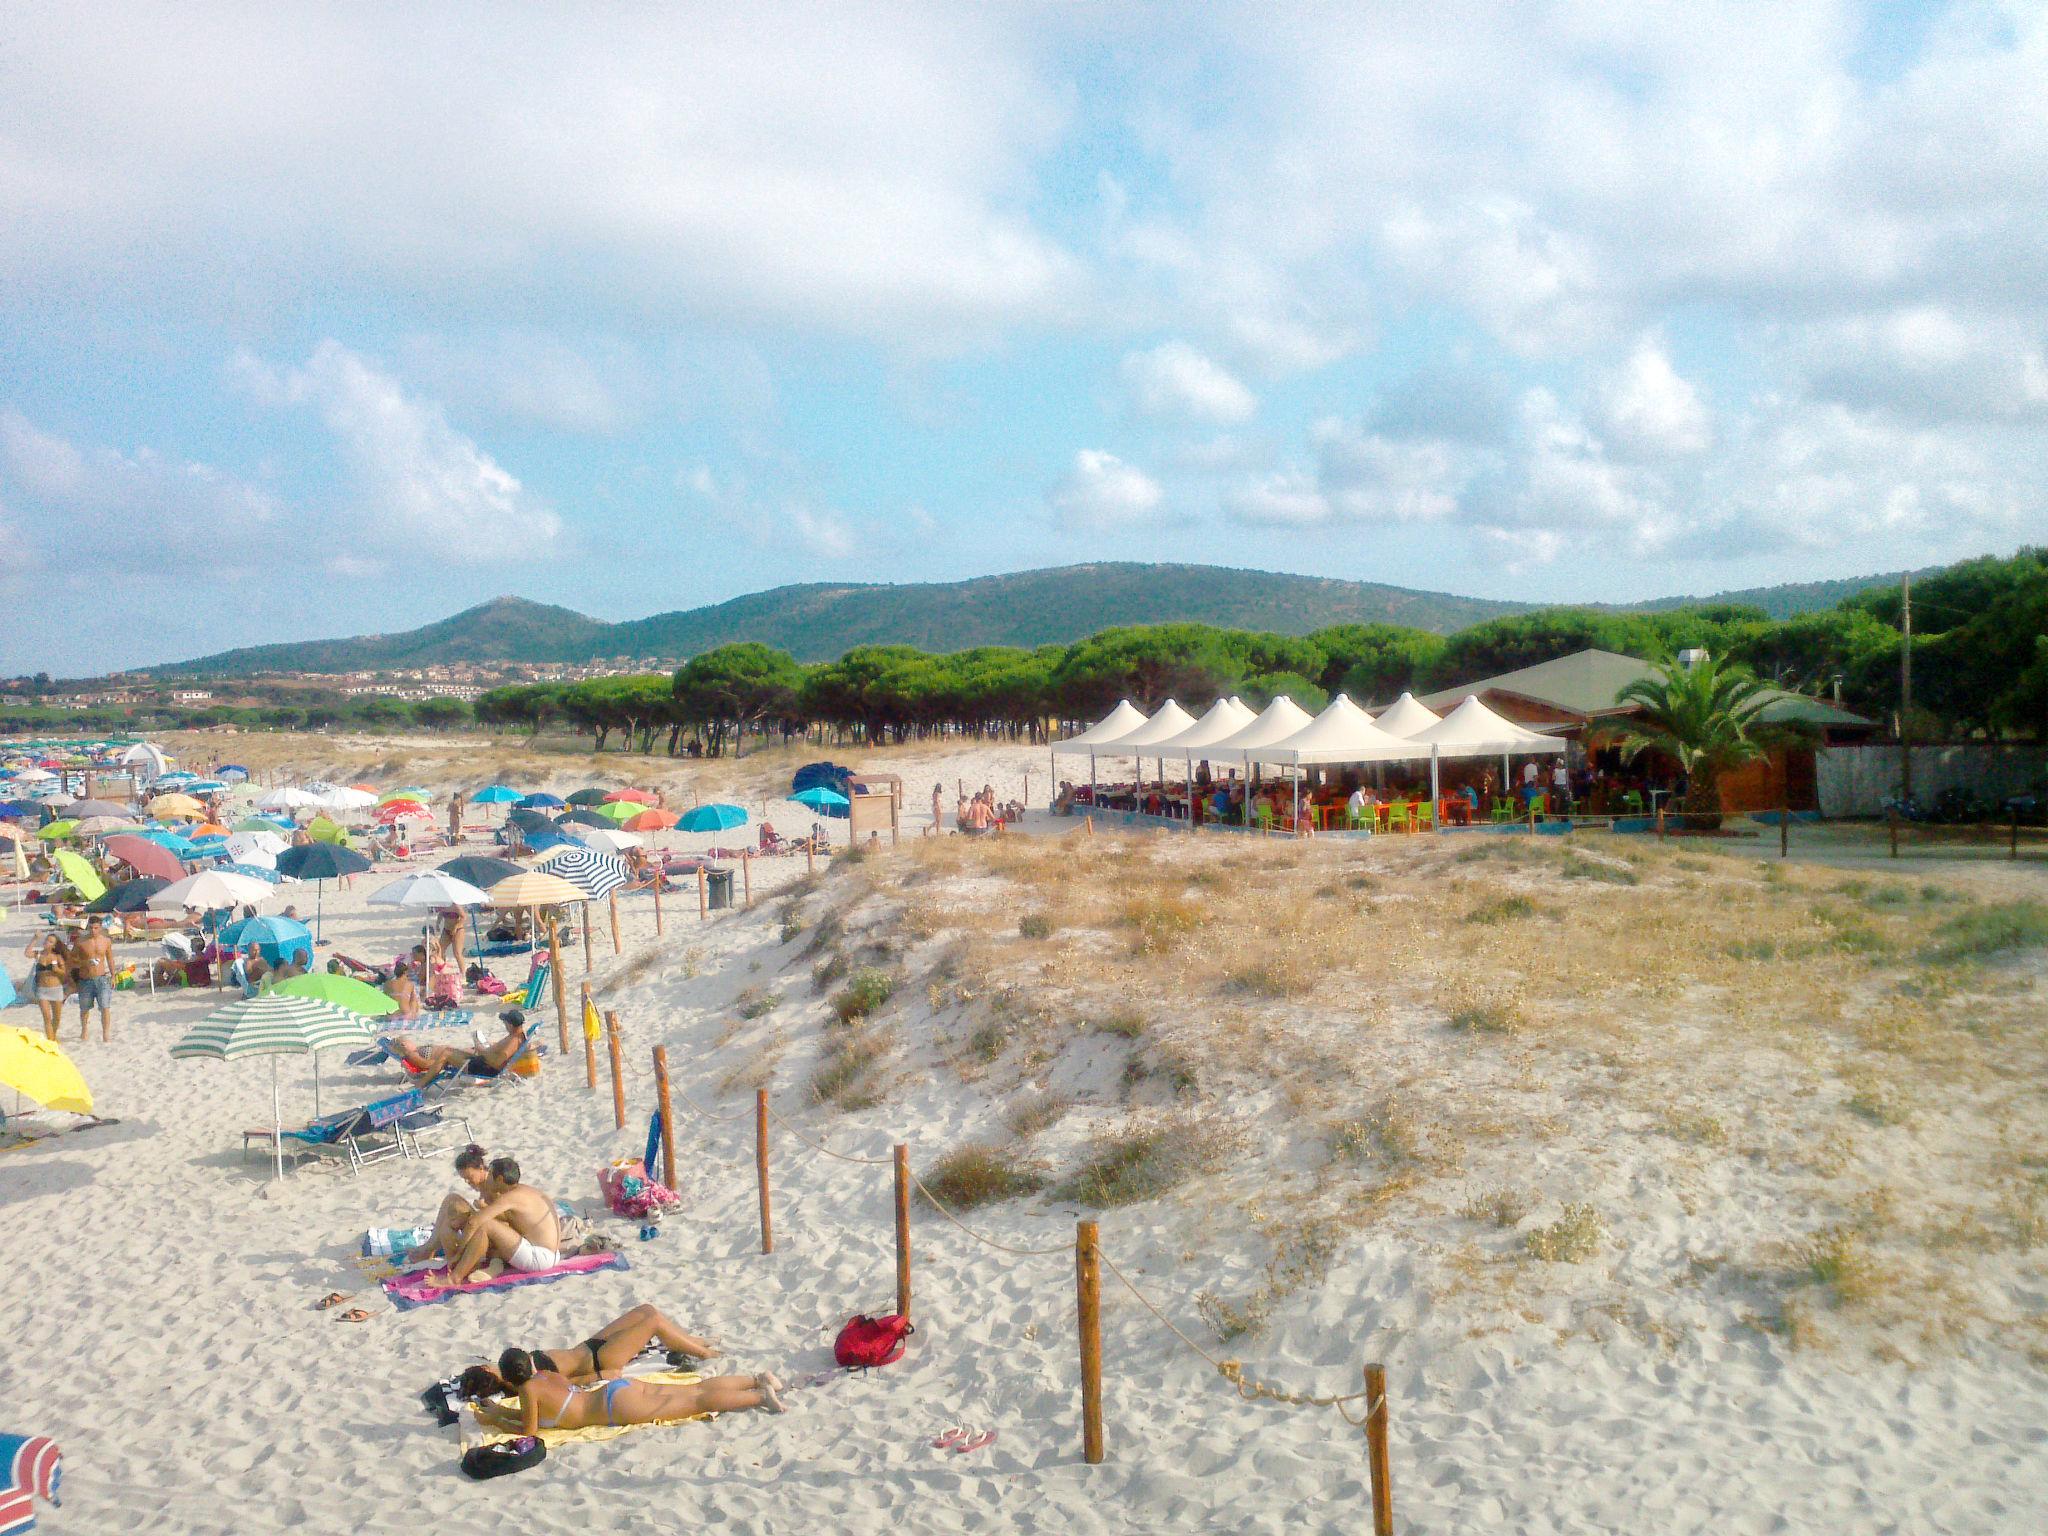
x,y
52,979
607,1352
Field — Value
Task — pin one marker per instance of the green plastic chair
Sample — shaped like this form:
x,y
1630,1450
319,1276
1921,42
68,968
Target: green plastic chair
x,y
1265,816
1355,819
1503,810
1632,802
1422,816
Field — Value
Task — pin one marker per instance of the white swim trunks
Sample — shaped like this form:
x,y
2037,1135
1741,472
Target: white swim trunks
x,y
528,1259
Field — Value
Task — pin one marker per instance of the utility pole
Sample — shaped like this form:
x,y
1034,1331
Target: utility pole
x,y
1905,685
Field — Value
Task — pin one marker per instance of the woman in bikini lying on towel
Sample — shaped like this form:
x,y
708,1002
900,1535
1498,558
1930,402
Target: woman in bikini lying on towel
x,y
550,1400
605,1354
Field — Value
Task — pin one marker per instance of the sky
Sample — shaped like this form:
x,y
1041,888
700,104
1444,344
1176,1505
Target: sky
x,y
322,320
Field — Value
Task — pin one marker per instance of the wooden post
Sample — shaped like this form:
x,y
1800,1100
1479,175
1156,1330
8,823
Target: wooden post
x,y
613,898
747,877
761,1166
589,1044
810,857
668,1117
1088,1295
561,987
1891,820
615,1047
902,1231
584,907
2012,849
660,875
1376,1450
1089,824
1785,832
1660,821
703,901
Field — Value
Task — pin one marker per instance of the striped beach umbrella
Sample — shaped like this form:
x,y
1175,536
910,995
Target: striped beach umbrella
x,y
274,1025
597,874
535,888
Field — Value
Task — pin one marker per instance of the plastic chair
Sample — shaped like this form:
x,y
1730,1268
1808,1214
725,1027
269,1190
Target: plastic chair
x,y
1632,802
1355,818
1422,816
1503,810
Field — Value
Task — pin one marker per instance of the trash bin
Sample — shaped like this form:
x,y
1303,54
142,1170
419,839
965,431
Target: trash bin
x,y
718,886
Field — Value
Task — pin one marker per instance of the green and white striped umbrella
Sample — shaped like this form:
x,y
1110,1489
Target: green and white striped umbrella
x,y
275,1025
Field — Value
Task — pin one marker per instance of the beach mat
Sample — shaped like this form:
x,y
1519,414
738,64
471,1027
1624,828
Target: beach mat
x,y
414,1290
490,1434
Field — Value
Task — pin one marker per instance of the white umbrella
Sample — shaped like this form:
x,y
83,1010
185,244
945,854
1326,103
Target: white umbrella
x,y
209,890
288,799
257,847
429,888
275,1025
340,797
610,842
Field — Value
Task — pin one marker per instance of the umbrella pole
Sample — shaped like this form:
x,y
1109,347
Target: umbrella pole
x,y
316,1085
276,1120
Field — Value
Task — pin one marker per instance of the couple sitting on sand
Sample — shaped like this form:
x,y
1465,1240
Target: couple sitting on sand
x,y
584,1385
511,1226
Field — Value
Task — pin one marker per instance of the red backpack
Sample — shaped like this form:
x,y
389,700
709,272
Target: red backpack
x,y
869,1341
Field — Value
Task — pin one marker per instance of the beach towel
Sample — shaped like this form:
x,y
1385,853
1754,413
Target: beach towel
x,y
416,1289
393,1242
491,1432
31,1467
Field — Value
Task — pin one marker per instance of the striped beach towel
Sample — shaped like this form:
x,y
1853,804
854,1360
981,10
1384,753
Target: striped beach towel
x,y
31,1467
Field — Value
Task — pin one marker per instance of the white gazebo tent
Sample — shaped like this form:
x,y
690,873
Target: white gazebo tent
x,y
1342,733
1279,720
1404,717
1224,718
1111,728
1473,730
1168,723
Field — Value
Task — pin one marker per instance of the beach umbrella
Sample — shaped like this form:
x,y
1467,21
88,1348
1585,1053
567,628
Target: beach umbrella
x,y
496,794
86,809
37,1068
480,869
542,801
430,888
275,1026
58,831
285,935
535,888
209,829
323,829
712,818
262,824
10,833
101,826
128,896
205,787
617,811
590,796
175,805
287,798
526,820
820,798
652,819
403,797
584,818
83,877
637,796
610,842
402,810
596,874
208,891
146,856
342,991
258,846
234,773
552,837
264,872
38,776
320,863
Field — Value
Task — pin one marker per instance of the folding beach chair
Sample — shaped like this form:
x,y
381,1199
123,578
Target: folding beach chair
x,y
536,986
369,1133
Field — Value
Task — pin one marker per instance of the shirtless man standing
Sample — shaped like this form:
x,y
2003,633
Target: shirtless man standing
x,y
92,962
456,802
516,1225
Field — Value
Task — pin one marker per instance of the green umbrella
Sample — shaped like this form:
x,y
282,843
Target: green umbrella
x,y
590,796
342,991
57,831
83,877
274,1026
321,830
619,810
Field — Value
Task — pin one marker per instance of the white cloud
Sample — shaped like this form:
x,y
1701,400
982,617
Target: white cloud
x,y
418,484
1174,380
1647,410
1287,498
1928,364
825,531
1360,477
596,386
1103,492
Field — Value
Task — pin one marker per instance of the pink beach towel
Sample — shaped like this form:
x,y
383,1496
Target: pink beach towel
x,y
415,1290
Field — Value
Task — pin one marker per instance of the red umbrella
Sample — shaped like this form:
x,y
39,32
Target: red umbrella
x,y
146,857
637,796
407,808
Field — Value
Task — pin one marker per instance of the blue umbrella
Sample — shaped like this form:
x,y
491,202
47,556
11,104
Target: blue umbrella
x,y
713,818
547,837
497,794
542,802
830,801
275,936
253,871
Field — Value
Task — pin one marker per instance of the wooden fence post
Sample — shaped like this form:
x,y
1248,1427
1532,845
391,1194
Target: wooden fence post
x,y
1660,822
1376,1450
902,1231
589,1043
668,1117
613,898
615,1047
761,1166
1088,1297
660,875
1891,819
1785,832
2012,850
810,857
747,878
555,976
703,902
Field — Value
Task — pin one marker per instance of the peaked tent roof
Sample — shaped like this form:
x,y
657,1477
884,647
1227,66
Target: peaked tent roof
x,y
1589,683
1342,733
1164,726
1404,717
1120,721
1226,717
1282,718
1473,730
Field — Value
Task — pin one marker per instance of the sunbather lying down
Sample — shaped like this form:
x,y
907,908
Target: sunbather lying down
x,y
606,1353
485,1063
549,1400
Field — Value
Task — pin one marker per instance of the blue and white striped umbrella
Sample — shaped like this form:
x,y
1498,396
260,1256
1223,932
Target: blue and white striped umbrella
x,y
599,874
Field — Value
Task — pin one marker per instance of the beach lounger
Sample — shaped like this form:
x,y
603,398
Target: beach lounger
x,y
369,1133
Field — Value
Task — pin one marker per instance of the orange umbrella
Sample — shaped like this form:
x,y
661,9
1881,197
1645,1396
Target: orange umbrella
x,y
209,829
368,789
653,819
637,796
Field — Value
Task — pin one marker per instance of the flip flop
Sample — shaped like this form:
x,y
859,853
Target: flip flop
x,y
331,1299
976,1442
354,1315
950,1438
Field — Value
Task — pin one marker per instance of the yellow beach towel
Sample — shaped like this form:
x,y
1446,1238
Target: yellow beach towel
x,y
489,1431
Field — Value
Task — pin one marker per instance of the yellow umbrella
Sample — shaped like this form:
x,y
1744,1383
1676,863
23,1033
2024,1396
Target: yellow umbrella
x,y
535,889
83,877
38,1069
175,805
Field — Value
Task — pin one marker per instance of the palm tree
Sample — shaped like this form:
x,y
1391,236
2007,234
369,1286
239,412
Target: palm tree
x,y
1709,717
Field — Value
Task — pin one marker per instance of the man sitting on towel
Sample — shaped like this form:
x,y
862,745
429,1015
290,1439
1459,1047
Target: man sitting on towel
x,y
515,1227
485,1063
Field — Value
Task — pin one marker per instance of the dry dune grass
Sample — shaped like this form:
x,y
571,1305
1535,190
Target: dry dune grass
x,y
1434,1009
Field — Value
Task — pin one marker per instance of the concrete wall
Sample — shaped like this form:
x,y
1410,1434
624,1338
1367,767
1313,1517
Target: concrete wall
x,y
1856,781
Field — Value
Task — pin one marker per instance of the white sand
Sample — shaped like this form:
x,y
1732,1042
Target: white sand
x,y
158,1291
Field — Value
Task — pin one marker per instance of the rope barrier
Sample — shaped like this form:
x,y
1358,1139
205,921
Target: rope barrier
x,y
1232,1371
1023,1253
871,1162
704,1113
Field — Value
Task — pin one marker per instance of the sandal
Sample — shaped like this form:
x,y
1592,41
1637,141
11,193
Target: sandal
x,y
950,1438
976,1442
331,1299
354,1315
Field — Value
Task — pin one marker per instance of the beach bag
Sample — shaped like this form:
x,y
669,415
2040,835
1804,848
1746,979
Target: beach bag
x,y
514,1455
870,1341
629,1191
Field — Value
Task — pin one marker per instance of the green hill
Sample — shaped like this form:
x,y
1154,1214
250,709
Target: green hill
x,y
818,622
